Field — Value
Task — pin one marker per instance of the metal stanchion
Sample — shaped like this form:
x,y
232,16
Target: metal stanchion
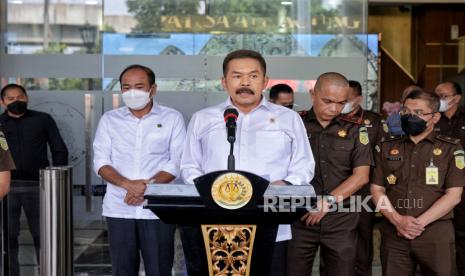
x,y
56,222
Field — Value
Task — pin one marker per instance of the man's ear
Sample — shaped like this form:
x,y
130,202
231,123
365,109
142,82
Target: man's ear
x,y
154,90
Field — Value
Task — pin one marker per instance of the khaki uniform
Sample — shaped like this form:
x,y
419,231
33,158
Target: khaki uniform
x,y
377,131
337,149
413,185
455,127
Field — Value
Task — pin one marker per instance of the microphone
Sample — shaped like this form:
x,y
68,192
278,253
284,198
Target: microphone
x,y
230,118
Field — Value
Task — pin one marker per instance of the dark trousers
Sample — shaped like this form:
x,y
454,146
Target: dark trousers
x,y
459,225
336,236
196,258
364,257
279,260
433,250
131,238
29,202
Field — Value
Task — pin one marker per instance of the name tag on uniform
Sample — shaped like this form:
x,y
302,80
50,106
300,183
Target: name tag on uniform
x,y
432,174
394,158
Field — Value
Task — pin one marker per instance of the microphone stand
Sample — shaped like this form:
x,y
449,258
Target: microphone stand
x,y
231,159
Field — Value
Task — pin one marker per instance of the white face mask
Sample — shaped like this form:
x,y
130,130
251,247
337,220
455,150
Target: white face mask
x,y
444,105
136,99
348,107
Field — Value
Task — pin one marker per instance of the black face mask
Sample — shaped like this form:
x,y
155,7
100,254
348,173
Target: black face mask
x,y
290,106
17,107
412,124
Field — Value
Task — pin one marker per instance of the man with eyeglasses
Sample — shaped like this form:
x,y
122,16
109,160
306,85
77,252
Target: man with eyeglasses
x,y
417,181
452,123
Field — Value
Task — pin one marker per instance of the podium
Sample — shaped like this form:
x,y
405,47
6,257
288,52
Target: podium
x,y
236,211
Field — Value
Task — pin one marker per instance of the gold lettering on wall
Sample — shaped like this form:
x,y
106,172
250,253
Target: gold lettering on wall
x,y
241,23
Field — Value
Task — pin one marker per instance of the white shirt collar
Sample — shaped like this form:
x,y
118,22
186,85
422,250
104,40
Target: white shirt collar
x,y
264,102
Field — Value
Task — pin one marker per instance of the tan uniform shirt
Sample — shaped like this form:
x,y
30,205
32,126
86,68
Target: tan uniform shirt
x,y
407,170
337,149
453,127
372,121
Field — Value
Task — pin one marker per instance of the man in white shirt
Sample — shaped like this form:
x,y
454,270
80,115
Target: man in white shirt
x,y
271,142
135,145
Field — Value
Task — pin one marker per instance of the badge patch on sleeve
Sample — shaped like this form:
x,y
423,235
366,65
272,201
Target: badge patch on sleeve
x,y
3,143
385,127
363,136
459,159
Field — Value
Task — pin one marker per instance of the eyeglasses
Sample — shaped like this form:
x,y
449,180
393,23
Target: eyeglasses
x,y
419,113
446,97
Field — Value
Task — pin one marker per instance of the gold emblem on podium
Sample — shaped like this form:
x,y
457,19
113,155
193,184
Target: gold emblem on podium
x,y
231,191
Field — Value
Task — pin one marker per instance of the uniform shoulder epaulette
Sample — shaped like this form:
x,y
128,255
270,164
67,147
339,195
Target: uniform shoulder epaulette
x,y
448,139
391,138
353,120
374,114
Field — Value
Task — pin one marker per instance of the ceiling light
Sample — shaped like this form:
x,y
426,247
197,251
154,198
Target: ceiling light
x,y
91,2
286,3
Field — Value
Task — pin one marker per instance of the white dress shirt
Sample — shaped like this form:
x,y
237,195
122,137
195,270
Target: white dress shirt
x,y
137,149
271,141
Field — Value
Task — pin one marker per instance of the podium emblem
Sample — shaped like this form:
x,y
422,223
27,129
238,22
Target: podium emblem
x,y
231,190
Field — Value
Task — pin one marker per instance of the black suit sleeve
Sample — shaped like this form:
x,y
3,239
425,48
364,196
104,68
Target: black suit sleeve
x,y
56,143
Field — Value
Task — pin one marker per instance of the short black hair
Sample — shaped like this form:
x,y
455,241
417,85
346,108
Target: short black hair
x,y
11,86
457,88
243,54
148,71
431,98
279,88
356,86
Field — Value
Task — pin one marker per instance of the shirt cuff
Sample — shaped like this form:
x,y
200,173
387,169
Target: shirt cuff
x,y
98,164
171,169
295,180
188,175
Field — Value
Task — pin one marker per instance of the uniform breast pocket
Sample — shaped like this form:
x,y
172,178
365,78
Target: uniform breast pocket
x,y
271,145
393,163
342,149
156,143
